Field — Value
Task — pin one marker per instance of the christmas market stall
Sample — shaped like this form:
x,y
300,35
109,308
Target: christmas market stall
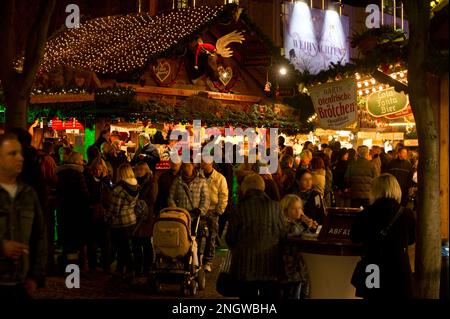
x,y
142,73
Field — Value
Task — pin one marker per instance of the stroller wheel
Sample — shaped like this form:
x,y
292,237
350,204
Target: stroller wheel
x,y
193,287
201,279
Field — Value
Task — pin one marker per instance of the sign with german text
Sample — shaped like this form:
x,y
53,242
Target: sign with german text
x,y
313,38
386,102
335,104
405,112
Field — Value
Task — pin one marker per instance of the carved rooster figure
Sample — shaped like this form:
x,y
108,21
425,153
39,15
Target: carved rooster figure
x,y
221,48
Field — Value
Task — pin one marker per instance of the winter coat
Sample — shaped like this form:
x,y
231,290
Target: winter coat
x,y
22,220
288,181
295,270
73,197
403,172
148,191
198,194
339,170
313,204
99,197
151,156
254,233
318,177
360,175
390,254
165,182
123,200
218,192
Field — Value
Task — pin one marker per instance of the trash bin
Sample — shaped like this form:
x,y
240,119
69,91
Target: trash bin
x,y
443,292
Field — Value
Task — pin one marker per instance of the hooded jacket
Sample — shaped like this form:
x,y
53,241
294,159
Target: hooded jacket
x,y
123,200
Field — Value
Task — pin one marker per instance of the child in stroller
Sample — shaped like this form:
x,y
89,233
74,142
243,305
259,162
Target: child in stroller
x,y
176,253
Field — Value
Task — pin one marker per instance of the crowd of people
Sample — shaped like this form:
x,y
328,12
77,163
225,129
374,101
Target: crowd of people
x,y
106,206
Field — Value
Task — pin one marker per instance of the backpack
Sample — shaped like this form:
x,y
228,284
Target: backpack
x,y
172,233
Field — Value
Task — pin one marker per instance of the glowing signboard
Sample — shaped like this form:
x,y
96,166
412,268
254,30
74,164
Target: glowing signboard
x,y
313,38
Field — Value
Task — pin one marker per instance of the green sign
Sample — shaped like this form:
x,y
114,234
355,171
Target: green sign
x,y
386,102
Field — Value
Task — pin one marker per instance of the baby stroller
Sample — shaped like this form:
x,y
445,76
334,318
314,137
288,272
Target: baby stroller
x,y
175,250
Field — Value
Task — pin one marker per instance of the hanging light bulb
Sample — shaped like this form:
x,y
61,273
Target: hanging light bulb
x,y
366,83
359,84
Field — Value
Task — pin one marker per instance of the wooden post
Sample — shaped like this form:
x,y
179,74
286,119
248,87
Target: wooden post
x,y
444,167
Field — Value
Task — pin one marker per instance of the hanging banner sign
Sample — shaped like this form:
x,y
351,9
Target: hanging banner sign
x,y
335,104
313,38
405,112
386,102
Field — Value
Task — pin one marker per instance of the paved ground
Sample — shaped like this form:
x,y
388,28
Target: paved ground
x,y
99,285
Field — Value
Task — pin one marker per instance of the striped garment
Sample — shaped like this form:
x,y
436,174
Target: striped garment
x,y
254,233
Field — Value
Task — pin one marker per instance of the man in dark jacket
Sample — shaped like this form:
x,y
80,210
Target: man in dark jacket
x,y
23,245
359,177
254,232
402,169
73,212
147,153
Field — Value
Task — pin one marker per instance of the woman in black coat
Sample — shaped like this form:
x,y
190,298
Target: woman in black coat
x,y
389,252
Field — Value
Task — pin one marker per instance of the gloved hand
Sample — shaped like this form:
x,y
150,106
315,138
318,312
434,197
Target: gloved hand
x,y
196,212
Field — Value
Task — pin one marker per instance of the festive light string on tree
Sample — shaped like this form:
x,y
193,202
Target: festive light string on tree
x,y
120,44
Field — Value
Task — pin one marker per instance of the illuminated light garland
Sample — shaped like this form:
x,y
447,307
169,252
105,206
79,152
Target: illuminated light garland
x,y
124,43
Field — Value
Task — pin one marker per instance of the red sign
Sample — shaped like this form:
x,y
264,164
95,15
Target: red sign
x,y
407,111
60,125
163,165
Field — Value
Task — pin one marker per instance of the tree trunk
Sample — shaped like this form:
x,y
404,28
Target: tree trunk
x,y
428,243
17,86
17,101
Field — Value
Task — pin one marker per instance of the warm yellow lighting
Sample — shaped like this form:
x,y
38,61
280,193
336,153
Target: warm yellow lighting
x,y
366,83
372,81
360,92
359,84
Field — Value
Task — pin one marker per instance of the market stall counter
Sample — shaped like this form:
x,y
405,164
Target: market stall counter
x,y
331,256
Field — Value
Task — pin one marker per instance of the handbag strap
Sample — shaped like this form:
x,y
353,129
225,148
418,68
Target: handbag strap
x,y
385,230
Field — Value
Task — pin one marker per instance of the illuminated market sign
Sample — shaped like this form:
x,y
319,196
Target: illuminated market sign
x,y
386,102
313,38
335,103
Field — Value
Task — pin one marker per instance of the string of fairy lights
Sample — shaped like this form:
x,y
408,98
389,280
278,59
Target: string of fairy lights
x,y
367,85
123,43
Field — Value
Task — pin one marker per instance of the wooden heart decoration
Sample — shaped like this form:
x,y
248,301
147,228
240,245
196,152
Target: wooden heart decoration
x,y
225,74
162,70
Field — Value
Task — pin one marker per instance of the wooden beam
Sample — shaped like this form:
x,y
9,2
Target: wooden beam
x,y
150,90
61,98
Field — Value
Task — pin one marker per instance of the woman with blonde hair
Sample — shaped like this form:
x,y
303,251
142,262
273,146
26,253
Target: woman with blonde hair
x,y
121,217
386,229
295,281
